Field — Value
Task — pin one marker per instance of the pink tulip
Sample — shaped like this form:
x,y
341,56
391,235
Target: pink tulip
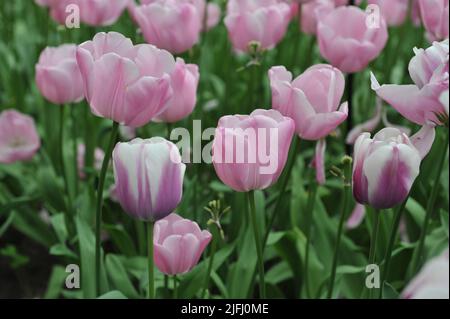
x,y
318,162
444,101
19,140
250,151
214,13
415,13
178,244
419,102
384,168
435,14
394,12
262,21
101,12
57,8
369,126
356,217
127,132
311,12
184,80
432,282
126,83
58,77
98,159
346,40
173,25
311,100
148,177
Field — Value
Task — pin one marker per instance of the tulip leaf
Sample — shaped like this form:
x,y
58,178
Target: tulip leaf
x,y
118,276
115,294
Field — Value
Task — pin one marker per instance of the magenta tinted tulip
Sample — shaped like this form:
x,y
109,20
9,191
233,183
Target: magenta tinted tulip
x,y
384,168
122,82
178,244
169,24
250,151
98,159
19,140
148,177
394,12
432,282
184,81
311,100
435,14
249,21
347,42
419,102
58,77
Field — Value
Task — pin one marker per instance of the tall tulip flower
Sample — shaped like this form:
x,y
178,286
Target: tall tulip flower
x,y
178,244
250,21
347,41
394,12
58,77
435,14
19,140
148,184
420,102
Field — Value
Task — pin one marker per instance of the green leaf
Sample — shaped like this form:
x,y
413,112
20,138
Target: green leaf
x,y
119,277
115,294
62,250
444,221
55,283
121,239
59,225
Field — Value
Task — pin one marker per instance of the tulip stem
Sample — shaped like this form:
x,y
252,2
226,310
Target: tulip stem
x,y
98,215
210,264
418,253
347,193
259,251
175,287
393,235
350,77
373,241
75,149
150,263
285,180
308,224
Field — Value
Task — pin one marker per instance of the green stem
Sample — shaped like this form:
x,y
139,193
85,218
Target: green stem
x,y
418,253
347,194
98,215
166,284
210,265
175,287
309,222
284,183
75,149
259,252
373,241
393,235
150,263
69,209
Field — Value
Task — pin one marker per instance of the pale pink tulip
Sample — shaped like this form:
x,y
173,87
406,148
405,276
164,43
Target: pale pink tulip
x,y
347,41
250,151
356,217
435,14
311,12
369,126
311,100
419,102
125,83
58,77
101,12
98,159
394,12
262,21
19,140
178,244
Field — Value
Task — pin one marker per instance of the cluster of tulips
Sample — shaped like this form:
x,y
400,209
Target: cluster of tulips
x,y
133,85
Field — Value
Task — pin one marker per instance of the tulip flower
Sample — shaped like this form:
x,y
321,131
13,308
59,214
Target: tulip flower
x,y
125,83
432,282
98,159
184,80
311,13
419,102
368,126
311,100
173,25
385,168
444,101
347,41
178,244
394,12
19,140
148,177
58,77
435,14
265,136
250,21
101,12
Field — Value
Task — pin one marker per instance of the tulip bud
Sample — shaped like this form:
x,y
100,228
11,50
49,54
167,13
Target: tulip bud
x,y
148,177
178,244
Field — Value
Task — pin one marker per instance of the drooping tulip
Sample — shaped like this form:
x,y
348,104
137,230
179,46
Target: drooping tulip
x,y
19,140
432,282
98,159
173,25
178,244
311,100
250,21
435,14
184,81
384,168
126,83
250,151
394,12
148,177
348,41
419,102
58,77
